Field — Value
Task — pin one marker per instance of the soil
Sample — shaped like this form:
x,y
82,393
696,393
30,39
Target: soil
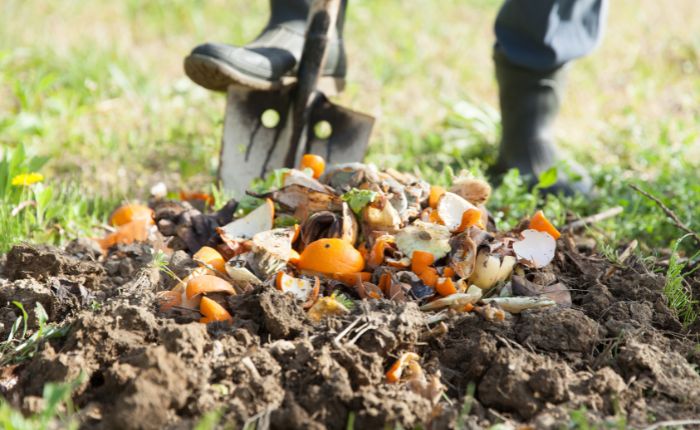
x,y
618,351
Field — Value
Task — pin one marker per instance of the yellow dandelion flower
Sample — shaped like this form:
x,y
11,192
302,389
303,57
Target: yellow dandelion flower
x,y
24,179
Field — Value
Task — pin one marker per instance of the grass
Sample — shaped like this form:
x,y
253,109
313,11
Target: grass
x,y
19,345
467,403
42,211
676,288
56,413
580,420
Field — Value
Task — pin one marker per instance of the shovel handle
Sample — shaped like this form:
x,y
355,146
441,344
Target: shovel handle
x,y
321,21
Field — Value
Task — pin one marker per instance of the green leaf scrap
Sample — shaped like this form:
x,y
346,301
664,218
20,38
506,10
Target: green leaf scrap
x,y
358,199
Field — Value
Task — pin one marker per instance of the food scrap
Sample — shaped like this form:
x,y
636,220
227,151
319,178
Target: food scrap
x,y
329,235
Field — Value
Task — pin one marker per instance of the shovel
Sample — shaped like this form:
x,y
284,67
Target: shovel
x,y
267,130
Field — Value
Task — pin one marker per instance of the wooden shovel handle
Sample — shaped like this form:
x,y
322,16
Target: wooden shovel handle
x,y
321,22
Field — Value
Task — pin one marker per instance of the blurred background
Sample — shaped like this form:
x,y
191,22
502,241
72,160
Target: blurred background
x,y
98,89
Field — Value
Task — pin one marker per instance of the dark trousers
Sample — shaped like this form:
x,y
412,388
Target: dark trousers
x,y
545,34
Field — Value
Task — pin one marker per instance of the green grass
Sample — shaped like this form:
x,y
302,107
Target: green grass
x,y
20,345
465,410
56,412
44,211
579,420
677,290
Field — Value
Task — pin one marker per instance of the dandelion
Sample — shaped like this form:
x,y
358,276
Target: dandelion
x,y
25,179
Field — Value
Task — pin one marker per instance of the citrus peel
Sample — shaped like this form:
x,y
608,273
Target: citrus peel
x,y
207,284
212,312
445,287
331,256
540,222
298,287
314,162
130,212
211,257
394,373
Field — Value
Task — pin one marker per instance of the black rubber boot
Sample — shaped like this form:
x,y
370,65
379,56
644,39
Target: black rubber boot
x,y
529,102
269,62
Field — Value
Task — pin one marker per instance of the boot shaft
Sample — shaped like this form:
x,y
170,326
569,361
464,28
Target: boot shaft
x,y
529,100
291,13
294,13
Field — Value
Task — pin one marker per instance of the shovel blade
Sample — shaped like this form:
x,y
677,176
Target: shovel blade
x,y
251,148
349,133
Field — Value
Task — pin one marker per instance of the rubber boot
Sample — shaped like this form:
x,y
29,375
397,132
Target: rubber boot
x,y
270,61
529,102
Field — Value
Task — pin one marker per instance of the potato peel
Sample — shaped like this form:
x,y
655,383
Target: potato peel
x,y
424,236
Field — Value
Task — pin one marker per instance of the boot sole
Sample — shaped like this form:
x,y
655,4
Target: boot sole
x,y
217,75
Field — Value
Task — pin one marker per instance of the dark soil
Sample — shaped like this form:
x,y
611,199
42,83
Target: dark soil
x,y
619,351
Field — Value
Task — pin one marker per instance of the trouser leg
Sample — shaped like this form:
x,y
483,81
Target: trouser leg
x,y
546,34
535,40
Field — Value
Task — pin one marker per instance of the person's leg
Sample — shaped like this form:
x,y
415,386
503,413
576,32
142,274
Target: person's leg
x,y
270,61
534,42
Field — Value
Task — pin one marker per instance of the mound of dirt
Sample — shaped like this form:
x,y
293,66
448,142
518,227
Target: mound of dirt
x,y
618,351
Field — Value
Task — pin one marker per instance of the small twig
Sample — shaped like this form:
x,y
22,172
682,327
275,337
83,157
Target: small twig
x,y
621,259
672,423
342,334
437,331
360,331
677,221
592,219
628,251
260,421
436,318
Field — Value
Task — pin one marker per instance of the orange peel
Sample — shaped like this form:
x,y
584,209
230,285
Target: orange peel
x,y
471,218
206,284
130,212
385,283
540,222
331,256
429,276
445,287
212,311
421,261
396,369
314,162
376,256
208,199
210,257
436,192
133,231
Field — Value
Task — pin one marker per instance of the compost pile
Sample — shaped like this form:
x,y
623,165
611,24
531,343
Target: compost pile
x,y
343,296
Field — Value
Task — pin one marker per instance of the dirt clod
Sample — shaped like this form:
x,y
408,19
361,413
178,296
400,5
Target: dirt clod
x,y
558,329
43,262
